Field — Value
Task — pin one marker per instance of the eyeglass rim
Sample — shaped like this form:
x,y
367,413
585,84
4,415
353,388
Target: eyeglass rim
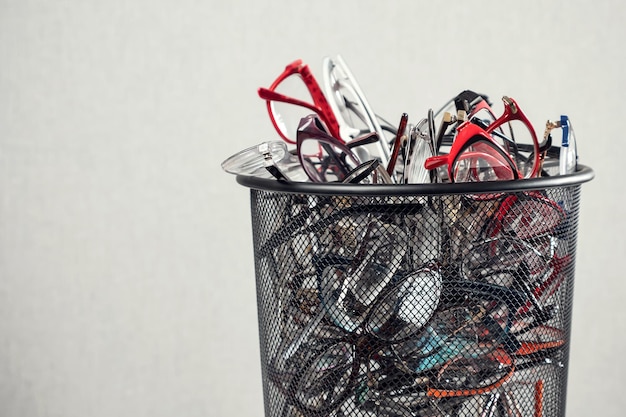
x,y
460,144
467,132
309,128
512,111
481,138
418,145
272,96
320,104
255,156
372,118
509,201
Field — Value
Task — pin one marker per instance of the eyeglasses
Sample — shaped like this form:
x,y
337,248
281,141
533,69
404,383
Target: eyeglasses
x,y
354,114
487,153
397,144
461,352
326,159
568,156
267,160
455,111
420,146
464,134
526,215
285,111
505,223
320,158
537,370
367,326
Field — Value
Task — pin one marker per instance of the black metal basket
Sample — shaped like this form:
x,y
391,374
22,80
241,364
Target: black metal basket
x,y
415,300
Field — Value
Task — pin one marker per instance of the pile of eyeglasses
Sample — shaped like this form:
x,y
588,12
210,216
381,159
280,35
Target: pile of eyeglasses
x,y
437,306
409,305
339,138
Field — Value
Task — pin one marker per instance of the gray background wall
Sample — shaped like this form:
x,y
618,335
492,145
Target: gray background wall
x,y
126,274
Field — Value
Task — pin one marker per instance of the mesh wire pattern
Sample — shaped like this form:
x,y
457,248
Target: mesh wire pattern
x,y
443,305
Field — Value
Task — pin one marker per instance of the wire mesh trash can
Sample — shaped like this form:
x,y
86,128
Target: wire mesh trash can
x,y
415,300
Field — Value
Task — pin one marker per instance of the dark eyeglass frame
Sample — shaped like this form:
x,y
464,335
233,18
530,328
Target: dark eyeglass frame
x,y
312,127
469,103
357,350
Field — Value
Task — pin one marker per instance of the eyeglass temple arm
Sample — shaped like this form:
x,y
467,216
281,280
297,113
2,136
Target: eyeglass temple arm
x,y
363,140
397,143
435,161
445,122
270,95
508,140
319,98
565,126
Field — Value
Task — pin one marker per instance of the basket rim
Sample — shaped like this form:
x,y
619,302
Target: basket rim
x,y
583,174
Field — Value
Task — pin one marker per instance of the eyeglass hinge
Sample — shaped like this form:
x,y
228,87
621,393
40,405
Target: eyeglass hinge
x,y
510,103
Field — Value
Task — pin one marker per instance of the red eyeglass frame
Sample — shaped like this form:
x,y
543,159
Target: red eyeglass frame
x,y
469,133
509,211
320,105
